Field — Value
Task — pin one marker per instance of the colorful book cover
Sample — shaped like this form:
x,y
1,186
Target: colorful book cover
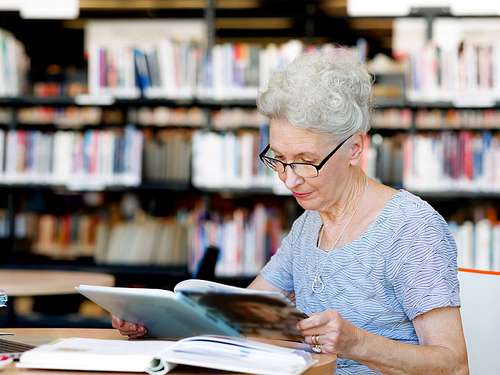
x,y
141,67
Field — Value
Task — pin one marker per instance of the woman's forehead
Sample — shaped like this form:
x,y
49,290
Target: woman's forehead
x,y
287,138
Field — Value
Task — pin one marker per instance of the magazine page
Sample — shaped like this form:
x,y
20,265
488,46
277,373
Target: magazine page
x,y
236,354
263,314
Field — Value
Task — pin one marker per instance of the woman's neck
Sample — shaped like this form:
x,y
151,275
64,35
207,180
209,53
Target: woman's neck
x,y
342,207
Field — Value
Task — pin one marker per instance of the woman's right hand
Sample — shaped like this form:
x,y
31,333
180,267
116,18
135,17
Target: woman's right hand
x,y
132,330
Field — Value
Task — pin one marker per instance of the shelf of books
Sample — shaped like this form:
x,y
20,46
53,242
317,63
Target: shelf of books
x,y
246,237
163,114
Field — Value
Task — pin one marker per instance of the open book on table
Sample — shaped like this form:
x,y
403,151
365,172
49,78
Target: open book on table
x,y
198,307
159,357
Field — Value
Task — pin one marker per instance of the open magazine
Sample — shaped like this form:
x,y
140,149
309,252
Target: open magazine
x,y
198,307
159,357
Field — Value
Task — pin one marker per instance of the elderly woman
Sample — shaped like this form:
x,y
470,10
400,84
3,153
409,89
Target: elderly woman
x,y
374,268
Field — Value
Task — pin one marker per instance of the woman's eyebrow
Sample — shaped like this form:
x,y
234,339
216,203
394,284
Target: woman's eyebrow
x,y
300,154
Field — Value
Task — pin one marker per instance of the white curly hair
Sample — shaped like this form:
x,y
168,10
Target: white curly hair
x,y
326,92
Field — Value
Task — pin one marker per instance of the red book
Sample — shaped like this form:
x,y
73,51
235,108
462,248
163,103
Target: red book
x,y
466,143
94,152
103,68
21,140
65,231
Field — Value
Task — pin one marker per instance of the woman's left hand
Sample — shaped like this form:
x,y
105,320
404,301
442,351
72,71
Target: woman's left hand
x,y
335,334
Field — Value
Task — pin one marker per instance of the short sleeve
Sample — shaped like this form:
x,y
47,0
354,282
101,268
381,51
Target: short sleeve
x,y
422,266
279,270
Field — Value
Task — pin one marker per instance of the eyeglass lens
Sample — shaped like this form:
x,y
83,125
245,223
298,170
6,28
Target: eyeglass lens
x,y
303,170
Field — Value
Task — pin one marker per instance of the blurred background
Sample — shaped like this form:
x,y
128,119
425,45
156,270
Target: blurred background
x,y
129,135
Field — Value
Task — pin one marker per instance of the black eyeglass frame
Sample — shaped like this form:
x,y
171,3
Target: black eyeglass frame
x,y
262,157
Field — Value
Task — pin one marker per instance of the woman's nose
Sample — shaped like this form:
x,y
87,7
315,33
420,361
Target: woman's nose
x,y
290,178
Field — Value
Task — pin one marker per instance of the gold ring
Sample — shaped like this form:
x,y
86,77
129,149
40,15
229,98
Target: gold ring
x,y
314,340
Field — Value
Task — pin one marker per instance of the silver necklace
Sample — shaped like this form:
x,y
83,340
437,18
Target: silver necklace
x,y
317,285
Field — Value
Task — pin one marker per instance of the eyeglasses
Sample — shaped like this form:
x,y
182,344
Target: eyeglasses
x,y
301,169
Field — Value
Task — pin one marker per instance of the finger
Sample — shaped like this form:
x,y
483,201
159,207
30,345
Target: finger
x,y
136,335
141,331
116,322
309,339
313,321
128,328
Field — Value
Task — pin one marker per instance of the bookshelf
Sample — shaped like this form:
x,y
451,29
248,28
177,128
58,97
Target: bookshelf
x,y
210,107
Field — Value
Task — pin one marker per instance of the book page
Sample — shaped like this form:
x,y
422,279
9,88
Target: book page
x,y
233,354
260,314
204,286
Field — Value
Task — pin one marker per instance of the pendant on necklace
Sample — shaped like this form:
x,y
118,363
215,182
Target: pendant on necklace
x,y
317,285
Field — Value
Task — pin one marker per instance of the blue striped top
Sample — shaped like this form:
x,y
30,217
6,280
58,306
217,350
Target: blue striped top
x,y
402,266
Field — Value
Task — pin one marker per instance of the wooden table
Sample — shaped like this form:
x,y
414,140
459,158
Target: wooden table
x,y
32,283
23,283
326,365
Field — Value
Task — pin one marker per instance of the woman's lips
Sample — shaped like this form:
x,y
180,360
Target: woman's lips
x,y
298,195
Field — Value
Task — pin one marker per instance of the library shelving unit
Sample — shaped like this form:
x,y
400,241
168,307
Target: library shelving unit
x,y
98,113
161,205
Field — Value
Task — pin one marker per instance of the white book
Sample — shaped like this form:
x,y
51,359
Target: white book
x,y
468,244
209,154
197,307
217,91
63,156
249,254
230,160
456,233
114,253
108,155
94,355
165,252
167,70
94,70
247,159
11,78
482,245
191,77
155,245
128,68
159,357
142,246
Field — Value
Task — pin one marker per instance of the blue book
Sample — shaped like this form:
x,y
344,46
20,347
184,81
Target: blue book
x,y
119,155
87,150
128,144
263,142
141,68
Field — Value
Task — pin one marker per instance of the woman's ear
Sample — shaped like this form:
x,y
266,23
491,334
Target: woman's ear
x,y
356,148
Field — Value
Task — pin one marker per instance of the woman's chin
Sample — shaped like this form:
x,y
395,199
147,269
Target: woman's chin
x,y
307,205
